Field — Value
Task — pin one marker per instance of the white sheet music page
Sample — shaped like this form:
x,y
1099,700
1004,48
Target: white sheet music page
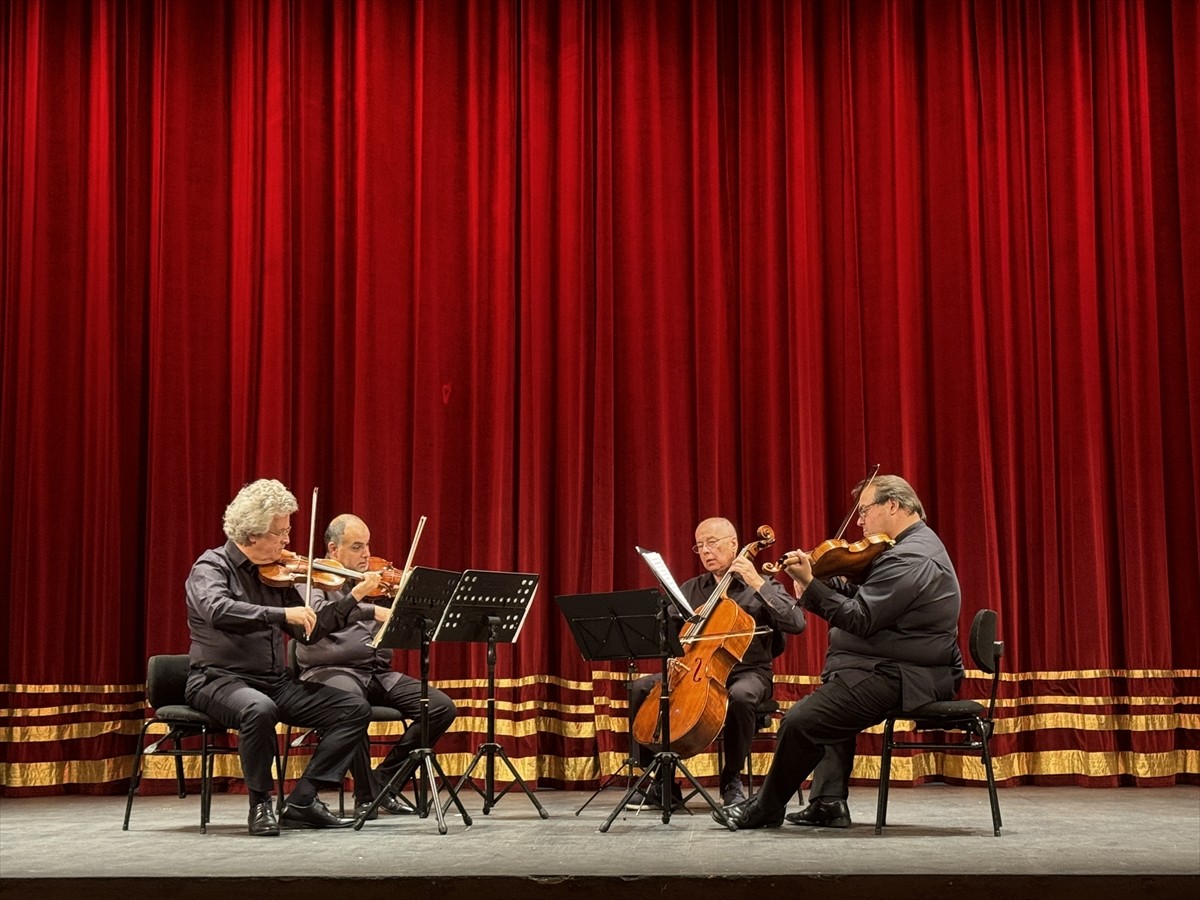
x,y
655,561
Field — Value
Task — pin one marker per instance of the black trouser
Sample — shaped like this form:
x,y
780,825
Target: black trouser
x,y
819,730
747,689
405,697
255,705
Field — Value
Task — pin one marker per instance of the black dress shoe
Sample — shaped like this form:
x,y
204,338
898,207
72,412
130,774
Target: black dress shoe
x,y
315,815
826,813
653,795
396,806
262,819
732,794
748,814
360,808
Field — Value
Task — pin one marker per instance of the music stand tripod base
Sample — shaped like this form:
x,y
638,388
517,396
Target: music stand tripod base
x,y
636,625
416,614
490,607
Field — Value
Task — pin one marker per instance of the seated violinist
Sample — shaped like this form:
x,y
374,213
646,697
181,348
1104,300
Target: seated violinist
x,y
750,681
893,644
238,669
346,659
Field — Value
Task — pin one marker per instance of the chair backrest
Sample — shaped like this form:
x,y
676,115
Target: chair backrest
x,y
985,649
166,680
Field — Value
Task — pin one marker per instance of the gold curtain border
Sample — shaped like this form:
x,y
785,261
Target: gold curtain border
x,y
934,764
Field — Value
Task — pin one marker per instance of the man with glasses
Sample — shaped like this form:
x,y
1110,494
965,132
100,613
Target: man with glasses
x,y
239,673
347,659
893,644
750,681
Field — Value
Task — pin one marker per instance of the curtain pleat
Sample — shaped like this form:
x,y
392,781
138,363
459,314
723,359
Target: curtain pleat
x,y
567,277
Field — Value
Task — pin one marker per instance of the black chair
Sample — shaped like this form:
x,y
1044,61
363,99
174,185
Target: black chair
x,y
975,721
166,678
310,737
763,714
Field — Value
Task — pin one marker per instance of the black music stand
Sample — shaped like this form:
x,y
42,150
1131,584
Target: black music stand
x,y
606,627
490,606
416,614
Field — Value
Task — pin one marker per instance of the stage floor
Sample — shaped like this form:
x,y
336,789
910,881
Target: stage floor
x,y
1059,841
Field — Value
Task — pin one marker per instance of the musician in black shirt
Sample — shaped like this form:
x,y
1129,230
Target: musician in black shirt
x,y
347,658
239,673
893,644
750,681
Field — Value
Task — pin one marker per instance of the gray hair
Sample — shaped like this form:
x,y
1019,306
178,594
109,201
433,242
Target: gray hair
x,y
256,504
893,487
337,528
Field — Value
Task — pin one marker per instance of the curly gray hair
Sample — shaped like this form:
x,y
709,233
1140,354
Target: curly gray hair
x,y
251,511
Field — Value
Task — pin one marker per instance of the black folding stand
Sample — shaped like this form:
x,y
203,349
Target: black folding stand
x,y
416,614
631,761
651,633
490,606
607,627
666,761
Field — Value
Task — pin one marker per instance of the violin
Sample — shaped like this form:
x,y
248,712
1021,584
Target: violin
x,y
292,569
390,577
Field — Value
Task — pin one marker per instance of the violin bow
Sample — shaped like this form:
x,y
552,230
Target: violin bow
x,y
854,508
312,536
403,575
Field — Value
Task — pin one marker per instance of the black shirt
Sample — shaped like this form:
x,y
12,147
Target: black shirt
x,y
237,622
903,619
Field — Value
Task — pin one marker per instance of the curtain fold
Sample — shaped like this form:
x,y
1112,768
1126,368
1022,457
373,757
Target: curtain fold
x,y
567,277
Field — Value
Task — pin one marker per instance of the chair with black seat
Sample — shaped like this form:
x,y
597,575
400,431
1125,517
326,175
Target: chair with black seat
x,y
973,720
378,714
166,680
763,714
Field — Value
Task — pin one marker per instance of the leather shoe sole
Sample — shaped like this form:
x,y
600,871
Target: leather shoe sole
x,y
823,814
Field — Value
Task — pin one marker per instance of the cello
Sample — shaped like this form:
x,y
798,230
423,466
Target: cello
x,y
715,640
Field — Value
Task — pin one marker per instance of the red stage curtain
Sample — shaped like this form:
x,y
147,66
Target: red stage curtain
x,y
567,277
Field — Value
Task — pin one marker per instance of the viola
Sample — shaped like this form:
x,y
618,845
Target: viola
x,y
716,640
292,569
390,577
839,557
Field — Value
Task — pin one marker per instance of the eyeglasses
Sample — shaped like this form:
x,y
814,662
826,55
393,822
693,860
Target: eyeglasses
x,y
862,510
710,544
285,533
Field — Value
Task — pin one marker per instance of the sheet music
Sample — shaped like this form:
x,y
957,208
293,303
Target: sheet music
x,y
655,561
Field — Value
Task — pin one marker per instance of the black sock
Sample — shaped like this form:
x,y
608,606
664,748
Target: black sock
x,y
257,797
303,794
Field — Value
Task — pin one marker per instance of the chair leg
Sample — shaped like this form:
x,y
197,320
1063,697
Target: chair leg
x,y
281,764
135,776
991,780
180,785
206,776
885,776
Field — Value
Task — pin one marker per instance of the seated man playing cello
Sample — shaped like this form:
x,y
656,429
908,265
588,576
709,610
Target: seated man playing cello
x,y
750,681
